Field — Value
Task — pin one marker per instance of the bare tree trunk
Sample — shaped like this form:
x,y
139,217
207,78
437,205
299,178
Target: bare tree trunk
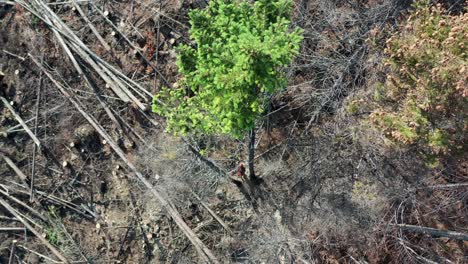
x,y
253,178
252,153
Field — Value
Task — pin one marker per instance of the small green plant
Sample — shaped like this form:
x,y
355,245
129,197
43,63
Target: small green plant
x,y
52,236
234,64
352,107
424,100
53,233
203,152
35,21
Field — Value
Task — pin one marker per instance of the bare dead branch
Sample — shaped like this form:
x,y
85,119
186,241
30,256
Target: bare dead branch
x,y
87,81
446,186
14,55
20,120
220,221
36,119
34,231
54,199
433,231
12,229
13,251
91,26
29,208
39,254
12,165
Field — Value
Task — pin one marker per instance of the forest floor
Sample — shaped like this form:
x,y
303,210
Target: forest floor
x,y
332,191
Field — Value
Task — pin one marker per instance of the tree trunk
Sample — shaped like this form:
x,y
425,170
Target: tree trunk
x,y
253,178
252,153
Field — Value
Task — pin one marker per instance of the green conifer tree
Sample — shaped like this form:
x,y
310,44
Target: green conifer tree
x,y
231,68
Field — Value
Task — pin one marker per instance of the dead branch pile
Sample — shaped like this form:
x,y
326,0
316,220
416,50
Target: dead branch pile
x,y
125,88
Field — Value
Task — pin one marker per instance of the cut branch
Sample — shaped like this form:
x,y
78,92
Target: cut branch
x,y
91,26
16,200
13,251
220,221
36,121
14,168
20,120
433,231
12,229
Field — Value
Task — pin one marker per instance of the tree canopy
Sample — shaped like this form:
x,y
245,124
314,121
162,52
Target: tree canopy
x,y
235,61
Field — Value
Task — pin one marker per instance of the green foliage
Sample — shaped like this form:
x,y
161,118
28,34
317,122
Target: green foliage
x,y
353,106
54,234
240,47
426,91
